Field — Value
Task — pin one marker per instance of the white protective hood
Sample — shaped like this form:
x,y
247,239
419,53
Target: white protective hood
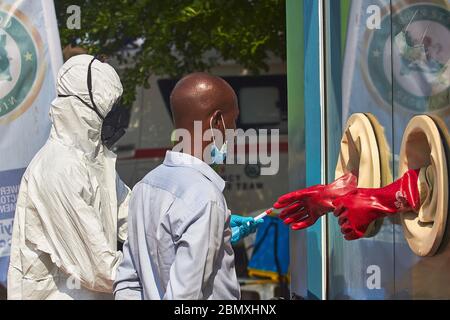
x,y
73,122
71,202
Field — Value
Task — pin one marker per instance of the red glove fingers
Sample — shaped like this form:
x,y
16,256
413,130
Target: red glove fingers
x,y
292,209
351,236
342,219
285,200
352,218
346,230
299,216
299,196
307,222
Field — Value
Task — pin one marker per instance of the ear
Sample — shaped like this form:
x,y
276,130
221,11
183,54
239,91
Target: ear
x,y
217,119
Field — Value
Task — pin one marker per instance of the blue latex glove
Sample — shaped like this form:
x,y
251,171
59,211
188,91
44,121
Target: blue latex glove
x,y
242,227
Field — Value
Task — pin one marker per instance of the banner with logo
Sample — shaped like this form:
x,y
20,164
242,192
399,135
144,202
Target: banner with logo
x,y
401,67
395,65
30,56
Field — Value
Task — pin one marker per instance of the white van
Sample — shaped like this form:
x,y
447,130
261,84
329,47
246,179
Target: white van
x,y
263,105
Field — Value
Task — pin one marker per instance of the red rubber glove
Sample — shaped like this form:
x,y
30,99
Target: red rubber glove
x,y
303,207
357,209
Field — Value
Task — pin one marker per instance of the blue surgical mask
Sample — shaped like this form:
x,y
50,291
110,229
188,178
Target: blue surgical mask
x,y
218,156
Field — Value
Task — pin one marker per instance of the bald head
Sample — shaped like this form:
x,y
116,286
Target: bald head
x,y
200,96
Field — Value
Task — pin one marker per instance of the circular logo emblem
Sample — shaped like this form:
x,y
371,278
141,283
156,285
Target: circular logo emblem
x,y
21,69
252,170
420,74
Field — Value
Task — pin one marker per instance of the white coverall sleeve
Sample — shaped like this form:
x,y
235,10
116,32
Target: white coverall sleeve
x,y
75,237
196,254
123,199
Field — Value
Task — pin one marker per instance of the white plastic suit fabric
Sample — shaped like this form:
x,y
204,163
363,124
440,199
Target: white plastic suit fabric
x,y
71,203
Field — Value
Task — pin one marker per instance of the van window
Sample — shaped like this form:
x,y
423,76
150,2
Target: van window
x,y
259,105
262,100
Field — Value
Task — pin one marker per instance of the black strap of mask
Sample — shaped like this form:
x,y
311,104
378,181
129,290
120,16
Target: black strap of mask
x,y
89,85
84,102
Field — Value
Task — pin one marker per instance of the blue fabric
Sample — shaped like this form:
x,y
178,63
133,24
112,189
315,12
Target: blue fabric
x,y
271,252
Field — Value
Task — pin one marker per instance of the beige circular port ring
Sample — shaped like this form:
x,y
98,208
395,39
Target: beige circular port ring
x,y
422,146
360,152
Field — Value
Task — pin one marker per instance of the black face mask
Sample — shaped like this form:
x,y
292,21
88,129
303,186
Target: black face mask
x,y
115,123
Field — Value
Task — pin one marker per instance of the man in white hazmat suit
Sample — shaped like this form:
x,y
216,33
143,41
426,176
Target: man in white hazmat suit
x,y
72,207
